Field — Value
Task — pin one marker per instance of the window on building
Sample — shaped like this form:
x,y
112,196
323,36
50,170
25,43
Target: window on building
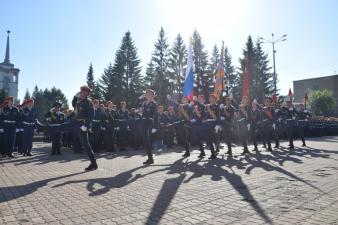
x,y
15,78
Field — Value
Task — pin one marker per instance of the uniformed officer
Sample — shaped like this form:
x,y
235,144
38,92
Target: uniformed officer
x,y
136,129
150,123
290,123
268,122
110,135
95,140
207,128
183,124
255,123
18,146
225,120
169,132
197,116
123,124
243,120
55,116
302,117
163,120
10,118
280,121
83,116
28,114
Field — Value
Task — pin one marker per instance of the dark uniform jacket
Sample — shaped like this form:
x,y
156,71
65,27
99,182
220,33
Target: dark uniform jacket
x,y
150,113
10,115
84,112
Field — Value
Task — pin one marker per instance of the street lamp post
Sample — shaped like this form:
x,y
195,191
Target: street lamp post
x,y
273,41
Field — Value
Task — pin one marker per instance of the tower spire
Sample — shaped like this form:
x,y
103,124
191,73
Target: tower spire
x,y
7,61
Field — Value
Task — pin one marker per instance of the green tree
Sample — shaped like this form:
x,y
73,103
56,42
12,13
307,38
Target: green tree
x,y
322,102
96,93
229,71
177,64
204,77
150,75
110,84
44,100
214,60
27,95
160,58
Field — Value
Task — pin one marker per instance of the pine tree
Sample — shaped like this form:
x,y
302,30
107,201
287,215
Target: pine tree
x,y
150,75
229,71
249,59
265,83
177,64
214,60
96,93
90,77
160,58
110,84
204,77
27,95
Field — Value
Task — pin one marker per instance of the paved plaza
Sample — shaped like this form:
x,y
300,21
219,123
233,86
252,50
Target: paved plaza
x,y
281,187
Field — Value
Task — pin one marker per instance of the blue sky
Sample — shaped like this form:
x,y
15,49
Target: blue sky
x,y
53,42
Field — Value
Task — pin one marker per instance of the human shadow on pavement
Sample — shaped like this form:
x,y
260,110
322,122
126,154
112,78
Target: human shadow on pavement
x,y
14,192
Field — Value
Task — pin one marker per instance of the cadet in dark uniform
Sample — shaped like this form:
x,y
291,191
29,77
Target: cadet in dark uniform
x,y
150,123
19,132
10,118
268,122
123,124
243,120
28,121
96,128
225,120
290,123
280,121
195,123
169,131
302,119
255,123
136,129
184,117
81,124
109,137
55,116
2,134
206,129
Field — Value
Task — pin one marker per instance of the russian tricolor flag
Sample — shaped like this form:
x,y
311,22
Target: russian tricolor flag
x,y
188,88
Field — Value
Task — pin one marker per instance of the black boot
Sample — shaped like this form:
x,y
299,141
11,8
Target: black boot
x,y
150,160
92,166
304,145
229,151
246,150
187,153
255,148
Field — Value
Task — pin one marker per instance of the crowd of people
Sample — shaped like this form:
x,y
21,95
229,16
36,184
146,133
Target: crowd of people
x,y
202,123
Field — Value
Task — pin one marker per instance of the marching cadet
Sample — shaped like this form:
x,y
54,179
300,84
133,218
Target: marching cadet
x,y
110,136
163,120
243,120
225,120
18,146
95,140
184,117
123,124
55,116
255,123
150,123
280,121
195,123
206,129
67,136
136,129
10,116
290,123
80,125
169,133
268,122
2,140
302,118
28,121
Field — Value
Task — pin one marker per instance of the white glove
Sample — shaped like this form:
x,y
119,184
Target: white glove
x,y
2,130
193,120
218,128
221,106
103,128
117,128
17,130
274,126
83,128
222,118
153,130
248,126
